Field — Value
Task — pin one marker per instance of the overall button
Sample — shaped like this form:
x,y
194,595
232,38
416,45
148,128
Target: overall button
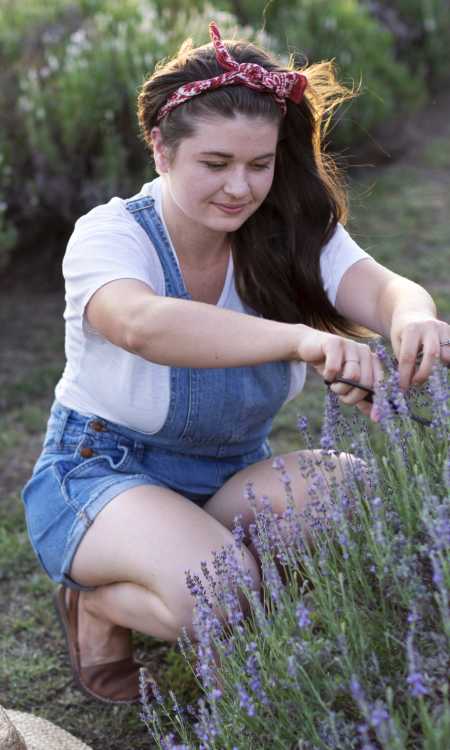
x,y
87,453
98,426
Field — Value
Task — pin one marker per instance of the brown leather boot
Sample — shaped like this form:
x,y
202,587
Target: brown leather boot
x,y
112,682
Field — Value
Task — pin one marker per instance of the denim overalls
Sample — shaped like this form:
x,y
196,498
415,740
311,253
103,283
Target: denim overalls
x,y
218,422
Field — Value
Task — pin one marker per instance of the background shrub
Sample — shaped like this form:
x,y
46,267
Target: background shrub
x,y
70,71
68,100
363,50
421,30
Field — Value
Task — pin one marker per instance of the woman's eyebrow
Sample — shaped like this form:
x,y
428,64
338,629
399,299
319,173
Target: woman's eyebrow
x,y
230,156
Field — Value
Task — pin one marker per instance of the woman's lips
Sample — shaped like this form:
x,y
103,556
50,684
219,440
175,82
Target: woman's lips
x,y
230,209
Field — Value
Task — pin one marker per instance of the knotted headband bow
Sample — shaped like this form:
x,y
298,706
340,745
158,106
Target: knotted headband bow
x,y
282,86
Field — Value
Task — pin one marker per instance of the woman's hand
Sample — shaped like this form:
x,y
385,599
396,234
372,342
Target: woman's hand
x,y
417,333
332,356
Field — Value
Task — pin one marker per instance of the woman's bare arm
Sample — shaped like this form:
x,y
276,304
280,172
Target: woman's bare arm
x,y
183,333
399,309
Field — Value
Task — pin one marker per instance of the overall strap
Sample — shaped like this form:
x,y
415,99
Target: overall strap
x,y
144,212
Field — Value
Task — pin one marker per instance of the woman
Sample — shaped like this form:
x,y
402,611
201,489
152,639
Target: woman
x,y
192,309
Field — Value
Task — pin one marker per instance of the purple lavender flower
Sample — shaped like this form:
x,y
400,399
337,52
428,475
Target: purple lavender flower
x,y
238,531
413,617
195,586
207,728
440,399
378,525
148,688
357,691
344,541
378,716
176,708
168,743
330,422
303,427
280,466
245,701
438,575
229,576
292,666
259,613
265,533
273,581
415,682
147,692
278,463
390,402
302,423
253,673
302,614
256,540
439,526
250,495
415,678
363,730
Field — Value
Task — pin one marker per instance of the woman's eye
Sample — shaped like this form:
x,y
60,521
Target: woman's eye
x,y
214,165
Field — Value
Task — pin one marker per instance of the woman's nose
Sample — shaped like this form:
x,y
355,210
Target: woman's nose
x,y
236,184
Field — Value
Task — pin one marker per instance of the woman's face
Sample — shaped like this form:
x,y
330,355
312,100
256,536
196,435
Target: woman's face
x,y
221,174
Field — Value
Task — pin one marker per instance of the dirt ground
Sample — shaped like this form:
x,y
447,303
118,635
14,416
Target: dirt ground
x,y
32,351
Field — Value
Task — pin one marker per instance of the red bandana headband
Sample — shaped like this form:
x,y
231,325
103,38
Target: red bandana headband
x,y
282,86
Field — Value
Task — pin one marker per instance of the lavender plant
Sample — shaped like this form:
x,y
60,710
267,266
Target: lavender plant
x,y
347,644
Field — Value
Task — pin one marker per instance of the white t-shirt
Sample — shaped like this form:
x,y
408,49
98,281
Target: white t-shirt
x,y
103,379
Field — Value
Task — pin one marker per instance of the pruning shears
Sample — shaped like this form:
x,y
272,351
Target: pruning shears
x,y
371,393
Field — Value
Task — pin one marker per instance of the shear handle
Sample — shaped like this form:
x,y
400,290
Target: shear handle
x,y
371,393
346,381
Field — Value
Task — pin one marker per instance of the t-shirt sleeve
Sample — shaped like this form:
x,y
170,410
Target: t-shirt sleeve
x,y
107,244
340,252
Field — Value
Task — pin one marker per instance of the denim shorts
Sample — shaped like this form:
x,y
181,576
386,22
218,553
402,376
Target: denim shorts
x,y
86,461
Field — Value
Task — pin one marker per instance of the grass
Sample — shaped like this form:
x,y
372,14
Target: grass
x,y
400,215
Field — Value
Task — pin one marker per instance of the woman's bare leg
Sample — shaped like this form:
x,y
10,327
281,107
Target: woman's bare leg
x,y
229,501
136,552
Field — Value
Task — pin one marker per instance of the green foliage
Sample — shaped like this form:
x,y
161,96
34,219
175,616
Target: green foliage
x,y
419,30
69,75
422,33
363,51
68,98
8,230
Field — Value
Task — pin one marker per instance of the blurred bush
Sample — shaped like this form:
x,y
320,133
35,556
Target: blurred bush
x,y
69,78
418,30
421,32
364,55
70,71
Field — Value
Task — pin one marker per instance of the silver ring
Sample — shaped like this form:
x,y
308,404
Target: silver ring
x,y
357,360
445,343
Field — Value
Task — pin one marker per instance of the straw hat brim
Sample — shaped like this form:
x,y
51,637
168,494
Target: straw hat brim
x,y
40,734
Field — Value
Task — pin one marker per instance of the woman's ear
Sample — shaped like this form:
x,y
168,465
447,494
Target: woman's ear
x,y
160,151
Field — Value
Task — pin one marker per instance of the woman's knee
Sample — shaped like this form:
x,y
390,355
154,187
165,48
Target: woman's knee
x,y
169,536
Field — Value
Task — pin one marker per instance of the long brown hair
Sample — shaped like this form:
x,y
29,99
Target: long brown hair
x,y
276,252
